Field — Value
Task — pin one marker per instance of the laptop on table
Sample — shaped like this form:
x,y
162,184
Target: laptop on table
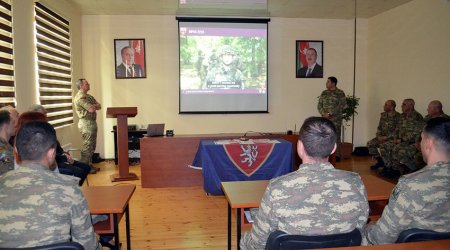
x,y
155,129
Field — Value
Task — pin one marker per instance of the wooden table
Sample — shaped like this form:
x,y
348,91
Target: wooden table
x,y
112,200
165,159
248,194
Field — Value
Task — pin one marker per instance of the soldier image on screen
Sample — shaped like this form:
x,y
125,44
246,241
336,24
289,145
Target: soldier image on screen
x,y
225,73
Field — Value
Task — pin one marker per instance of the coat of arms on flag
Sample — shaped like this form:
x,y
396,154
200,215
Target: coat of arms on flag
x,y
248,158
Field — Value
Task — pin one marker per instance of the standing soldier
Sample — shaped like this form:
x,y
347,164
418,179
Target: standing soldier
x,y
386,131
331,104
86,107
398,155
7,129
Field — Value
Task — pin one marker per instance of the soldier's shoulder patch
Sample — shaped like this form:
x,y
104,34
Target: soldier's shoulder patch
x,y
83,97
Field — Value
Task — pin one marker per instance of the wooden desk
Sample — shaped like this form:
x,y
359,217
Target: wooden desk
x,y
248,194
163,158
429,245
112,200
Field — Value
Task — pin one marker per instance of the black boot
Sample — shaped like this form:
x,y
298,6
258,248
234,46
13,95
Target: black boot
x,y
379,164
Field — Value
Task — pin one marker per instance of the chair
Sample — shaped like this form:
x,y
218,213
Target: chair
x,y
416,234
56,246
280,240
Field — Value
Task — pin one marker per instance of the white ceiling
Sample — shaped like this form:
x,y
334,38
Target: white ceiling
x,y
328,9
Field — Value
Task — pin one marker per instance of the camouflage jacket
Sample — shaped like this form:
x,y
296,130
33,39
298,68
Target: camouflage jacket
x,y
333,102
83,102
388,124
316,199
410,127
419,200
6,156
428,117
41,207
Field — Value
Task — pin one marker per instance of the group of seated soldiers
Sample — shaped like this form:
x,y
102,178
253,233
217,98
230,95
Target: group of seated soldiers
x,y
396,146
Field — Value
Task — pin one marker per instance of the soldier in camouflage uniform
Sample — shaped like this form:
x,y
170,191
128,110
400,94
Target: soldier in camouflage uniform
x,y
435,110
226,74
386,131
331,104
421,199
7,129
398,155
86,107
38,206
317,199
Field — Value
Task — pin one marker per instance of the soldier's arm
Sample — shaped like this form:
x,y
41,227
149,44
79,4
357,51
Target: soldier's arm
x,y
379,128
320,108
82,230
364,212
263,224
393,221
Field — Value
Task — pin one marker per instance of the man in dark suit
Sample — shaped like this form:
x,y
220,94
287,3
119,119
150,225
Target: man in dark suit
x,y
128,69
313,70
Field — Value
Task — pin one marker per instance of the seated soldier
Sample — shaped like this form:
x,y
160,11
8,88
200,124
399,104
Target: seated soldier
x,y
38,206
385,132
317,199
398,155
421,199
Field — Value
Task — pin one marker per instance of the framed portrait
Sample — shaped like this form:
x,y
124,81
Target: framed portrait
x,y
129,55
309,59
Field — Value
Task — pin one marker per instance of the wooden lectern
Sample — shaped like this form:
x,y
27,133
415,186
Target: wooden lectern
x,y
122,113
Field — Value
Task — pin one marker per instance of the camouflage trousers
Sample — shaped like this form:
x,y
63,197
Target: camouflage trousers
x,y
88,130
395,154
373,146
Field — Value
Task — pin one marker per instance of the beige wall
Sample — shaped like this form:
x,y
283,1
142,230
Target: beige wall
x,y
409,56
25,55
291,100
393,61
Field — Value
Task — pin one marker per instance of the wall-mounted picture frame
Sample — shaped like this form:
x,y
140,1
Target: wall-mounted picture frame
x,y
129,55
309,59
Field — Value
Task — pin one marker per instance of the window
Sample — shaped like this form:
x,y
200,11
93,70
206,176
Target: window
x,y
54,65
7,89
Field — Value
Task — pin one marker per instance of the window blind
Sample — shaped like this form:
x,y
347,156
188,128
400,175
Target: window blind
x,y
54,65
7,86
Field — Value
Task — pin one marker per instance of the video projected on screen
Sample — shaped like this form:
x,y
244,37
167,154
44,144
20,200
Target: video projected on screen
x,y
223,67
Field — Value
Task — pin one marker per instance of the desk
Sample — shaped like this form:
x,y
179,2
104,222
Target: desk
x,y
233,160
112,200
248,194
162,158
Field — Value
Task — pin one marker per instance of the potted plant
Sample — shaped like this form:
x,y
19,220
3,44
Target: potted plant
x,y
348,112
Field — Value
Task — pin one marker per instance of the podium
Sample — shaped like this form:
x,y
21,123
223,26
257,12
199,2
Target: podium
x,y
122,114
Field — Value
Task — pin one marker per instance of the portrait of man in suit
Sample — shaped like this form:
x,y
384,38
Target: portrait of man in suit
x,y
129,65
308,64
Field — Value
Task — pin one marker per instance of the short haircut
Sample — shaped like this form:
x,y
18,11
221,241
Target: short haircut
x,y
437,104
313,49
123,49
410,101
79,82
5,117
333,80
439,129
30,116
318,136
34,139
38,108
393,103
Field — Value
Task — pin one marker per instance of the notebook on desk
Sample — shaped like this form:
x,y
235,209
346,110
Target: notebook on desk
x,y
155,129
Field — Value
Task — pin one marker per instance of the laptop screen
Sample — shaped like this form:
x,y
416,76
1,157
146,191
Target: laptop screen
x,y
155,129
